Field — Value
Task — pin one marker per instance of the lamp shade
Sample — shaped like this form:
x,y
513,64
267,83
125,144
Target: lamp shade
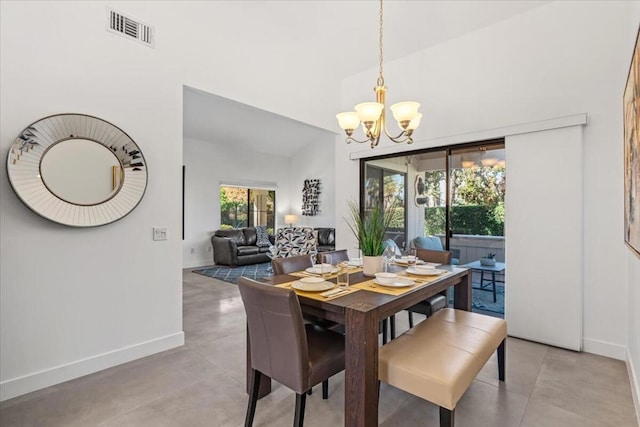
x,y
467,164
348,120
369,111
489,161
415,122
290,219
405,110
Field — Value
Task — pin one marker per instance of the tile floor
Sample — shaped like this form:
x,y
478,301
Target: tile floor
x,y
202,384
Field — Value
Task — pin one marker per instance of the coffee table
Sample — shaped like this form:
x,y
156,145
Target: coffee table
x,y
493,269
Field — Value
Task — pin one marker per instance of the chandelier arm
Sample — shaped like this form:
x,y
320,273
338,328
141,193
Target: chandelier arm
x,y
351,139
397,139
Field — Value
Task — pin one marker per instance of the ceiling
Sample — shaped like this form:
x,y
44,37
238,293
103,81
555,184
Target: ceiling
x,y
410,26
209,117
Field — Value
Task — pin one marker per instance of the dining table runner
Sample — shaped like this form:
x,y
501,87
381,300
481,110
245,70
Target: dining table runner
x,y
370,285
317,295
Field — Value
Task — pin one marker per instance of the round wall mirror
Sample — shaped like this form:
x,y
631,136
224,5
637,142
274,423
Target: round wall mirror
x,y
77,170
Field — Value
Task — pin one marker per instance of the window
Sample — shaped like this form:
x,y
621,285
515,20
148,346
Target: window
x,y
247,207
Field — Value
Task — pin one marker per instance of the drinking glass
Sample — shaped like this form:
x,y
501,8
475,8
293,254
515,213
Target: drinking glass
x,y
411,258
271,254
388,256
326,267
343,278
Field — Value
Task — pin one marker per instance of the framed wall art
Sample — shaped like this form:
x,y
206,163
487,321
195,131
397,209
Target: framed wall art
x,y
311,197
631,106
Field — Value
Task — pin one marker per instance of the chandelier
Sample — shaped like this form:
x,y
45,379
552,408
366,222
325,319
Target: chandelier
x,y
372,114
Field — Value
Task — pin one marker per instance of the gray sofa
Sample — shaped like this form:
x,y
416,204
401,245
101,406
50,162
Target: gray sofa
x,y
238,247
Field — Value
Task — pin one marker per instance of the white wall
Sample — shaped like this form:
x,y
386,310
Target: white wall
x,y
73,301
315,161
208,163
76,300
560,59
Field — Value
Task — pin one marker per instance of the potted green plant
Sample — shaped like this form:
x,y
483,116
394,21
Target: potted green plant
x,y
370,230
489,260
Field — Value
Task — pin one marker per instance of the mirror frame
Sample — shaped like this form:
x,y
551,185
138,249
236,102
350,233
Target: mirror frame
x,y
28,149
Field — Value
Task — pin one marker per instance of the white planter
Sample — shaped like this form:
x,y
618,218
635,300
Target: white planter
x,y
371,265
488,261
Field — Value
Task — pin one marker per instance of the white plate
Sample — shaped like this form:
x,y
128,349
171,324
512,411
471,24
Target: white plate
x,y
318,270
400,283
312,280
312,287
425,271
404,261
355,262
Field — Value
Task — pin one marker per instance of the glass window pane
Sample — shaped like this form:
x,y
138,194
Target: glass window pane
x,y
247,207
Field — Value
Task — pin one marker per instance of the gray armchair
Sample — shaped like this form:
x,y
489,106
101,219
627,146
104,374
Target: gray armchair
x,y
435,244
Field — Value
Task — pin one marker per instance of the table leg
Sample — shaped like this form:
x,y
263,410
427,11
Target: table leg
x,y
361,366
462,293
493,282
265,381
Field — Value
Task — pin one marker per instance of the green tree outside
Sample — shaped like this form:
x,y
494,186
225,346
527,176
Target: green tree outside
x,y
478,201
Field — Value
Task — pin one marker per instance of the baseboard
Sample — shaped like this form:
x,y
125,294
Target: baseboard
x,y
635,384
38,380
603,348
197,263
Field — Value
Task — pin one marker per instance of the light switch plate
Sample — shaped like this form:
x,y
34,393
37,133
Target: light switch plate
x,y
159,233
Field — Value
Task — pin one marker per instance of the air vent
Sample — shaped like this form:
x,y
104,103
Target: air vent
x,y
129,28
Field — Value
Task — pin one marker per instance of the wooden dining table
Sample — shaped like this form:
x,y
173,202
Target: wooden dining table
x,y
361,313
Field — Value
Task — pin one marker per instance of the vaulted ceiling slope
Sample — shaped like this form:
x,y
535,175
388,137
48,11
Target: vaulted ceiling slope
x,y
327,41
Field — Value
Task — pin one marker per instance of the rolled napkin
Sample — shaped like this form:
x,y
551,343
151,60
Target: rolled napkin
x,y
333,292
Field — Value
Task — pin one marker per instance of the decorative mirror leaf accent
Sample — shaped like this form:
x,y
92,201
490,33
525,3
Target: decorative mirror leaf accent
x,y
77,170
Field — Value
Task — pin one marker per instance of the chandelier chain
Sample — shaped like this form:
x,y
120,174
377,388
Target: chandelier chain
x,y
380,77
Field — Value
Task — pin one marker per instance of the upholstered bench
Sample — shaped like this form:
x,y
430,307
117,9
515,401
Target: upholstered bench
x,y
439,358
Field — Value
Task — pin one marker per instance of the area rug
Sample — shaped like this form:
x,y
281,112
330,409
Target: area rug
x,y
232,274
482,299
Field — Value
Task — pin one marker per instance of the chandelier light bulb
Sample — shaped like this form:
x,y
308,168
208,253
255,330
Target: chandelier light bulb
x,y
369,111
415,122
467,164
348,120
405,111
489,162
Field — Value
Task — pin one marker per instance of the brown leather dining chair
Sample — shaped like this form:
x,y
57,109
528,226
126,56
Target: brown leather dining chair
x,y
436,302
336,256
296,355
291,264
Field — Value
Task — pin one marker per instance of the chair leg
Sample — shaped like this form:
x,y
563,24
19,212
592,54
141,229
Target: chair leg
x,y
392,326
298,419
501,359
325,389
447,417
384,331
410,319
253,398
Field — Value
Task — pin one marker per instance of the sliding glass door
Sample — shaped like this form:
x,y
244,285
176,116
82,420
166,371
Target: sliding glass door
x,y
477,177
385,185
448,198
